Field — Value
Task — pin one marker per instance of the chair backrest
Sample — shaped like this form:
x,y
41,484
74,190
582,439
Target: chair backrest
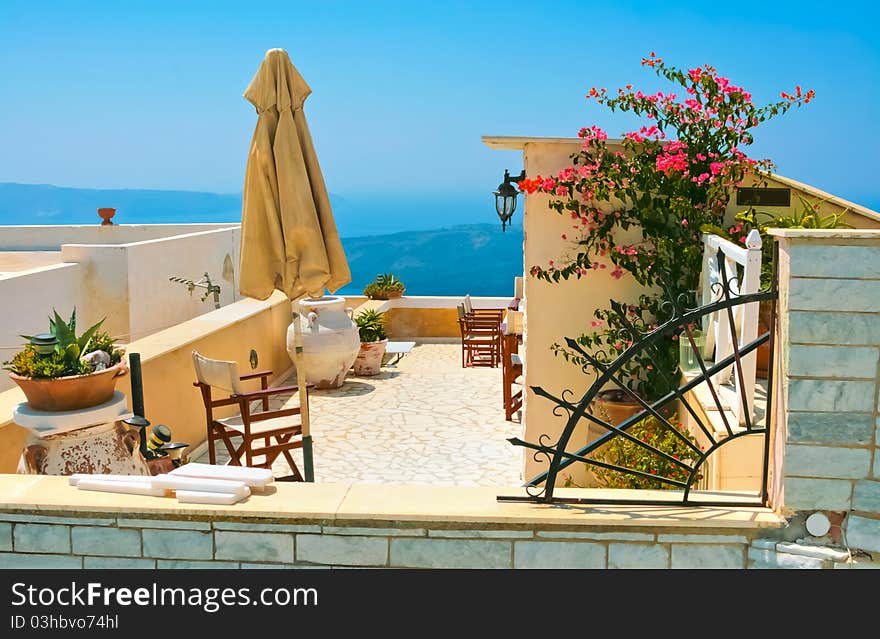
x,y
460,309
217,372
468,306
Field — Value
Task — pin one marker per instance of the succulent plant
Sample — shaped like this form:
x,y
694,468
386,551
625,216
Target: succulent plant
x,y
371,325
73,355
385,285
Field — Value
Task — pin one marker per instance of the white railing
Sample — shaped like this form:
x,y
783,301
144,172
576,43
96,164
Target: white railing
x,y
745,316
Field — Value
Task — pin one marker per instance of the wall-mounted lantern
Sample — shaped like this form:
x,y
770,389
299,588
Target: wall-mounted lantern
x,y
505,197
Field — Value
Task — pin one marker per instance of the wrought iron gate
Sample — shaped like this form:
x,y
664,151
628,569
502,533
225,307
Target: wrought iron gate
x,y
683,320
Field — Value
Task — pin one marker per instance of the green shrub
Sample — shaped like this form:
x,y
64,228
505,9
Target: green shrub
x,y
622,452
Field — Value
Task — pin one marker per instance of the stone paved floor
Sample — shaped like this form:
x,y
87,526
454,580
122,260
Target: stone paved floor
x,y
425,420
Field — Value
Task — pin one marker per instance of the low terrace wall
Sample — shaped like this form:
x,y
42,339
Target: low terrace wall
x,y
50,237
45,523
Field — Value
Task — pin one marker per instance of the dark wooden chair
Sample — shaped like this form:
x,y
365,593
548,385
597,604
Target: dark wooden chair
x,y
511,370
266,433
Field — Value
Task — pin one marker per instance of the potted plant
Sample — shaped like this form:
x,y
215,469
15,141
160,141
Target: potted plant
x,y
60,371
386,286
371,326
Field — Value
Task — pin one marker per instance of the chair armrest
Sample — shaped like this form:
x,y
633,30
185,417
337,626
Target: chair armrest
x,y
255,375
269,391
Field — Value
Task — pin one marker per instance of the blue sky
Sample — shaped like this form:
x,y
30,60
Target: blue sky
x,y
148,94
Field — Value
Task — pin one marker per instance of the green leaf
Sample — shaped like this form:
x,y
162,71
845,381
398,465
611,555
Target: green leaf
x,y
86,337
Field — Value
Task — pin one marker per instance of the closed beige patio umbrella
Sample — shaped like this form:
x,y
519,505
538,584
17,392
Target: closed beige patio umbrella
x,y
289,240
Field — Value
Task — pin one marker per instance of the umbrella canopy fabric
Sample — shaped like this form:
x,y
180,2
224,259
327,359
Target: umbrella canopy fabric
x,y
289,240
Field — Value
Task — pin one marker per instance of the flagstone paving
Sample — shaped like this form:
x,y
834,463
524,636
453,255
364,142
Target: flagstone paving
x,y
425,420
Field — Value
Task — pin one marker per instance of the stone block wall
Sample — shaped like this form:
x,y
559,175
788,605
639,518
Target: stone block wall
x,y
826,454
39,541
106,542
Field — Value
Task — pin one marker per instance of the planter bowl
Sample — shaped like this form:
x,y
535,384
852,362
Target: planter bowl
x,y
74,392
369,359
388,295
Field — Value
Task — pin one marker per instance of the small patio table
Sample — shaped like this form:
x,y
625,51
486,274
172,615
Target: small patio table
x,y
398,349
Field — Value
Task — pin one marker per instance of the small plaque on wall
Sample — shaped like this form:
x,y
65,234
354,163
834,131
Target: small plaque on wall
x,y
751,196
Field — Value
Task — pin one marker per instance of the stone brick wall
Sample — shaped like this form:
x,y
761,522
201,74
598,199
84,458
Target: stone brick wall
x,y
828,379
38,541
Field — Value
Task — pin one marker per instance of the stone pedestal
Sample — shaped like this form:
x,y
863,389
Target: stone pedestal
x,y
93,440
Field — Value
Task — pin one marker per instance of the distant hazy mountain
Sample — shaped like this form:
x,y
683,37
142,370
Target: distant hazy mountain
x,y
478,259
47,204
380,234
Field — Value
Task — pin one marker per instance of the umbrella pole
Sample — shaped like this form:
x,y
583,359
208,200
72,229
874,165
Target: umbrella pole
x,y
308,459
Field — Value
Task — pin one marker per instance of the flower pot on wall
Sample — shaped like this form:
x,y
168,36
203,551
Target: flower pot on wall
x,y
107,216
369,359
74,392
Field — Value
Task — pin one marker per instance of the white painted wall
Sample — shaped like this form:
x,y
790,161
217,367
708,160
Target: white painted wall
x,y
128,283
104,285
27,299
35,238
156,303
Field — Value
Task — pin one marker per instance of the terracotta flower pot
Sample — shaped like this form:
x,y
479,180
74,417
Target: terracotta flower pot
x,y
615,406
106,215
74,392
369,359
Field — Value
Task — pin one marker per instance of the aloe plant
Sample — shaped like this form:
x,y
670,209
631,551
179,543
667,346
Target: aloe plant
x,y
385,285
69,345
371,325
69,350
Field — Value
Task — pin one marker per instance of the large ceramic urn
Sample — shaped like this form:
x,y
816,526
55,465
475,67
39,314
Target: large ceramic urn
x,y
91,440
330,340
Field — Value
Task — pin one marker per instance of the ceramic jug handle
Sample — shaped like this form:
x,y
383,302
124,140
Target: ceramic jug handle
x,y
131,440
313,317
350,311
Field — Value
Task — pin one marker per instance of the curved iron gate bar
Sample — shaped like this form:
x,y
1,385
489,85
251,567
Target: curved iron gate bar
x,y
633,331
601,367
629,422
712,449
615,429
573,457
667,327
711,386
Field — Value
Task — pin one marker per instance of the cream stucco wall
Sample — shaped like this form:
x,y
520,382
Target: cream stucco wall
x,y
554,311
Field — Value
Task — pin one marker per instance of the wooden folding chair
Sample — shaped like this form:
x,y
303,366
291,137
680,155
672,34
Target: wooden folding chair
x,y
511,369
267,433
480,340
